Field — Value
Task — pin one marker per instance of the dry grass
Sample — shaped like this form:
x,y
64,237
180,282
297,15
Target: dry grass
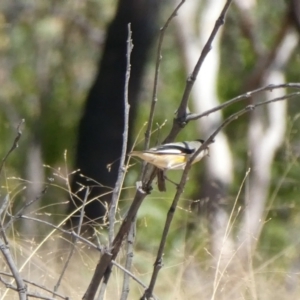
x,y
184,275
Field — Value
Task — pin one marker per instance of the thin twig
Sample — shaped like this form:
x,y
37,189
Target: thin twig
x,y
36,285
287,96
84,240
14,146
161,183
27,204
2,209
74,242
133,277
34,251
59,228
32,295
244,96
157,66
129,259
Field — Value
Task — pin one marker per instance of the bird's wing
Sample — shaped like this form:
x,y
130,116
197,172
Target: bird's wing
x,y
173,148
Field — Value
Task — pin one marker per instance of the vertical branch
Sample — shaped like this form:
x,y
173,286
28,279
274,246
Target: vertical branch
x,y
4,246
157,66
129,258
22,288
94,284
207,47
161,181
181,113
219,168
121,172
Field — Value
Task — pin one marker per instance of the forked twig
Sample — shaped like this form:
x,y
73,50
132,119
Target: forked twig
x,y
242,97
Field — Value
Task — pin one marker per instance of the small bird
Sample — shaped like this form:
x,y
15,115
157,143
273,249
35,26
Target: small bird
x,y
172,156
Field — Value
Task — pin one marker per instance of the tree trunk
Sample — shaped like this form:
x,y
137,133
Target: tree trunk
x,y
102,124
218,166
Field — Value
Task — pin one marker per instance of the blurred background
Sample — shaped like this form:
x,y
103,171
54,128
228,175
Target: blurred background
x,y
62,69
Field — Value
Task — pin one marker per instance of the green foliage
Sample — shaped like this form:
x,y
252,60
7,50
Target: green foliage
x,y
50,54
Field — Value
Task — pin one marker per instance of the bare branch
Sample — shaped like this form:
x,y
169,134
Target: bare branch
x,y
242,97
32,295
121,172
129,259
180,120
161,182
71,233
4,204
21,286
73,244
14,146
157,66
34,284
27,204
81,238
